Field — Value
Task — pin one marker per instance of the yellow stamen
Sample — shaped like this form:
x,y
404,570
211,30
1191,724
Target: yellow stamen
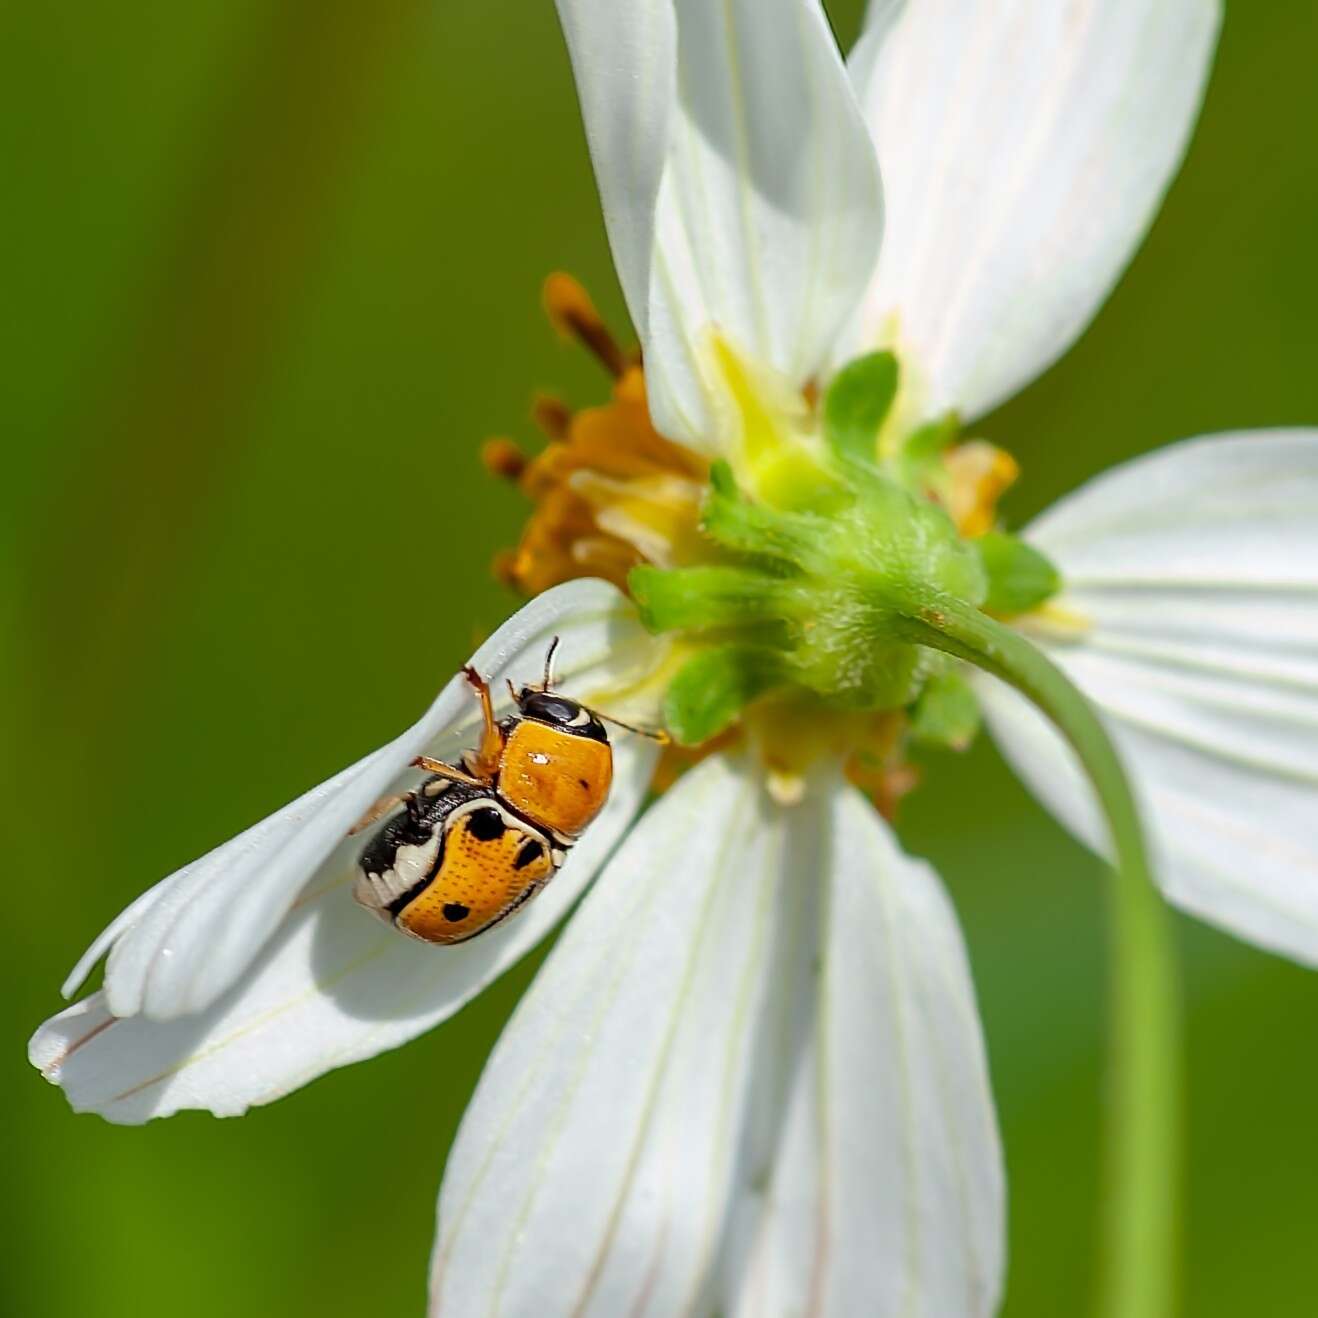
x,y
978,476
561,542
604,556
610,491
657,514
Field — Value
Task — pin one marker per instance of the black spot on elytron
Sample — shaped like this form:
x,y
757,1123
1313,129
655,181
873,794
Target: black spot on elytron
x,y
486,825
584,783
528,853
455,911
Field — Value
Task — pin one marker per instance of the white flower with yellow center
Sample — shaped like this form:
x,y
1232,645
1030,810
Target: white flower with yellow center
x,y
749,1078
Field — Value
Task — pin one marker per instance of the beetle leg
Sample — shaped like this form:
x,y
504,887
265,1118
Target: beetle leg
x,y
381,808
448,771
410,799
484,761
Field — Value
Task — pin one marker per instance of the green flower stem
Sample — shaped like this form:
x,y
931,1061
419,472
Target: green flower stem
x,y
1144,1112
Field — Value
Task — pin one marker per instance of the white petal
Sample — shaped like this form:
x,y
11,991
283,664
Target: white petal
x,y
886,1196
1025,147
1197,568
624,57
332,986
181,945
597,1159
769,207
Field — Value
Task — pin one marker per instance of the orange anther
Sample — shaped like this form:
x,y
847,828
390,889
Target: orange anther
x,y
573,314
504,568
552,415
503,458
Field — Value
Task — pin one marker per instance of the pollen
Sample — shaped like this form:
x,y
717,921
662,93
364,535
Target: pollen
x,y
609,492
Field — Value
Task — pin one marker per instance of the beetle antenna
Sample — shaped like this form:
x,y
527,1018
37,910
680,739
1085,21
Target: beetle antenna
x,y
549,664
652,734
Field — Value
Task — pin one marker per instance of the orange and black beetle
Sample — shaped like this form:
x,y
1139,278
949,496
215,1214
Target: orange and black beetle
x,y
473,845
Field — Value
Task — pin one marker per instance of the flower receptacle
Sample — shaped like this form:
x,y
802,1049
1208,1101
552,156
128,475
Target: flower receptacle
x,y
807,598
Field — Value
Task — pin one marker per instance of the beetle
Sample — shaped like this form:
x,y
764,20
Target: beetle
x,y
472,845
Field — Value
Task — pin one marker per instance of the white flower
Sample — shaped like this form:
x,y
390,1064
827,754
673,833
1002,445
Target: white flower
x,y
749,1078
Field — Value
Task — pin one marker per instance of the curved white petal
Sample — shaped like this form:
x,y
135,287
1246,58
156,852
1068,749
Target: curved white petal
x,y
886,1193
766,207
332,986
188,939
1197,570
624,58
1025,147
598,1157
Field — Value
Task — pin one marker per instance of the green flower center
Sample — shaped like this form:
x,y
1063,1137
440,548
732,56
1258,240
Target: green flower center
x,y
822,530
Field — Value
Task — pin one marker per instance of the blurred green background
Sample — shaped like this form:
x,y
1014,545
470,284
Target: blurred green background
x,y
273,271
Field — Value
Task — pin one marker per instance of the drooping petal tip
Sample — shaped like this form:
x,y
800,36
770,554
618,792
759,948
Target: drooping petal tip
x,y
250,970
330,988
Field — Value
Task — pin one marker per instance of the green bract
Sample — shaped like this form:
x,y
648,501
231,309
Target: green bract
x,y
946,713
1019,578
857,404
